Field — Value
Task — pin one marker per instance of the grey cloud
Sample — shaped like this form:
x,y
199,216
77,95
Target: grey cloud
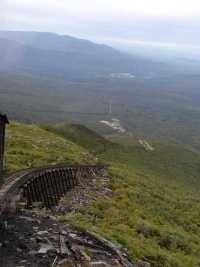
x,y
100,22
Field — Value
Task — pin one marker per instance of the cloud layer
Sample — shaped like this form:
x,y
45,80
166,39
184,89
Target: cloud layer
x,y
155,22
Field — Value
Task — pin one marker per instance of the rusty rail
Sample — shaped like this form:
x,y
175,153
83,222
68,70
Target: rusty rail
x,y
46,185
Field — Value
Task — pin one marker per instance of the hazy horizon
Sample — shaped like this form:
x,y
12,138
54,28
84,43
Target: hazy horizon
x,y
171,26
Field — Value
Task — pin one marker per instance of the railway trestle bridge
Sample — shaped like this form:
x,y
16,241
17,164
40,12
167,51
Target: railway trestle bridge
x,y
46,185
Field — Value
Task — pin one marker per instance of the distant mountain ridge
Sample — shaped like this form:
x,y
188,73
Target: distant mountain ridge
x,y
52,41
67,57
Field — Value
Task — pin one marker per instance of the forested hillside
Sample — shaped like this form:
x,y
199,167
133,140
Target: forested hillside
x,y
66,57
46,77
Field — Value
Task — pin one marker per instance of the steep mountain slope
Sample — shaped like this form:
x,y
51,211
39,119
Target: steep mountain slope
x,y
153,209
80,135
30,146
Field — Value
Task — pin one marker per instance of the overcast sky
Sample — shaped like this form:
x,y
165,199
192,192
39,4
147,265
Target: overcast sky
x,y
155,23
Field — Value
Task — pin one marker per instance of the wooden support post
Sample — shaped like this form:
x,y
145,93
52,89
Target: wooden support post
x,y
45,179
29,196
55,184
50,190
65,180
44,192
62,185
31,191
70,179
25,193
74,180
36,189
40,189
66,175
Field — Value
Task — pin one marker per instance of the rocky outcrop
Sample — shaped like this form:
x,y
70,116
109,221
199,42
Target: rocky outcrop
x,y
38,240
33,237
